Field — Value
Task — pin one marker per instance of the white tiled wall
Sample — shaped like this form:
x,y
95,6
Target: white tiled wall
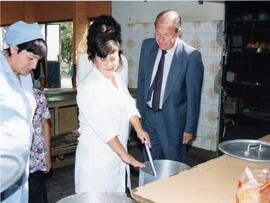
x,y
204,36
132,36
202,29
207,37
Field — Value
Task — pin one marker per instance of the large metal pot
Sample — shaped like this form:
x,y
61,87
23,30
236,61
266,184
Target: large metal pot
x,y
164,168
96,198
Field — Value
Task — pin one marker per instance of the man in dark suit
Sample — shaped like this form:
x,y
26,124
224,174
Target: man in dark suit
x,y
169,88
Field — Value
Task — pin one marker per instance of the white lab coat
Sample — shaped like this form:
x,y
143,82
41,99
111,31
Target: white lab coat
x,y
17,106
104,112
85,67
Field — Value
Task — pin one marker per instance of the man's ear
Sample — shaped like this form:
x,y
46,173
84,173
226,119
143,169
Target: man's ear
x,y
179,33
13,49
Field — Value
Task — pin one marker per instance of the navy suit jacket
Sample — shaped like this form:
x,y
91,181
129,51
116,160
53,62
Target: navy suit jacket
x,y
181,103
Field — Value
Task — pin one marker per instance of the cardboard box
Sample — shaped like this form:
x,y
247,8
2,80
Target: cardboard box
x,y
214,181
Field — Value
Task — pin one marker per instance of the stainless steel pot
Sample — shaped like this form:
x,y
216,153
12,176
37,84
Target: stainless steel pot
x,y
96,198
164,168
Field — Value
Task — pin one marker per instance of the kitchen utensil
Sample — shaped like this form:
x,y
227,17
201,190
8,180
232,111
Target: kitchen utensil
x,y
150,158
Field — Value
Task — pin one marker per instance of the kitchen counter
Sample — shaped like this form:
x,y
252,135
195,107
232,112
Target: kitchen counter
x,y
60,94
214,181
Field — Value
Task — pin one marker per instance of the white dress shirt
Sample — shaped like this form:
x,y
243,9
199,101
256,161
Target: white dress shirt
x,y
167,66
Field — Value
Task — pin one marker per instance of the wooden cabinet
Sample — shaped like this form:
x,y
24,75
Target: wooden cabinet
x,y
64,123
63,109
64,117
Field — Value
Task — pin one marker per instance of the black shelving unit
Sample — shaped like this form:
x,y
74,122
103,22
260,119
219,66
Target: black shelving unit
x,y
247,62
245,104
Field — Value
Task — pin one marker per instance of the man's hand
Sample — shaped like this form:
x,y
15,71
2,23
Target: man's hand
x,y
187,137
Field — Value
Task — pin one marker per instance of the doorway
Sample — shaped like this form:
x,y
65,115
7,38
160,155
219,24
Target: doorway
x,y
59,68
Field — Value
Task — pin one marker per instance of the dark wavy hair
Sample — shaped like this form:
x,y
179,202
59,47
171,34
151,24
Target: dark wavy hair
x,y
103,45
101,26
37,47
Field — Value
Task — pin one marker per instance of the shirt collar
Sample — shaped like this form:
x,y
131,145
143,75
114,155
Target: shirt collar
x,y
5,65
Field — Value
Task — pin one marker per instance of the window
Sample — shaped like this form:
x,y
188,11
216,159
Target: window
x,y
58,66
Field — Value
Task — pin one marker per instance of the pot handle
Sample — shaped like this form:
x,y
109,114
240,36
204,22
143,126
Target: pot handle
x,y
252,146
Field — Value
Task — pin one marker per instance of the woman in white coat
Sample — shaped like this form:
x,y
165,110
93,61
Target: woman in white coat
x,y
17,103
102,24
105,110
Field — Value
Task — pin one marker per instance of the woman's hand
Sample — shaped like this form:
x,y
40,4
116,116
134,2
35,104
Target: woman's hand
x,y
48,162
127,158
117,147
143,136
46,129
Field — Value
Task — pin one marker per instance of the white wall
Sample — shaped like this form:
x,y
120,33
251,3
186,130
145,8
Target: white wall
x,y
202,28
141,12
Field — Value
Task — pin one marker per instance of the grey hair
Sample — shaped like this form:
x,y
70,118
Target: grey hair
x,y
177,19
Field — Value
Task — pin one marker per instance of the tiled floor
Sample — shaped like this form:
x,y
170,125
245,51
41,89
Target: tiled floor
x,y
61,182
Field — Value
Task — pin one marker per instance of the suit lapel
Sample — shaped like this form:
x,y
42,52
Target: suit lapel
x,y
175,69
150,67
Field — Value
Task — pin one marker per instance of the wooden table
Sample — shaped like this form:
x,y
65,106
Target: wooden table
x,y
211,182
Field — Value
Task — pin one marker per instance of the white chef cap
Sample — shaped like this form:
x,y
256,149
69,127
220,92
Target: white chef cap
x,y
20,32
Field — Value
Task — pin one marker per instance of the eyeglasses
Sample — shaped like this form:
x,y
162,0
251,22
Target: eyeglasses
x,y
165,35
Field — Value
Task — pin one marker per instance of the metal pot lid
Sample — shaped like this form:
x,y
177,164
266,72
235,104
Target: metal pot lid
x,y
251,150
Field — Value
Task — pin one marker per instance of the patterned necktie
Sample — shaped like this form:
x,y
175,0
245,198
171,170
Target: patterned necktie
x,y
158,82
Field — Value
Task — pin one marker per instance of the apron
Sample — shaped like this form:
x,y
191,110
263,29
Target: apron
x,y
17,106
104,112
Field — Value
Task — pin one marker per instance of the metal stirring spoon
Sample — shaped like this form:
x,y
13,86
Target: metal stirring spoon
x,y
150,158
